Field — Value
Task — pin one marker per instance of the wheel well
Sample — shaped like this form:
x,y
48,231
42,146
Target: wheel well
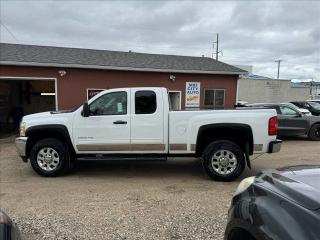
x,y
240,234
35,134
312,126
240,134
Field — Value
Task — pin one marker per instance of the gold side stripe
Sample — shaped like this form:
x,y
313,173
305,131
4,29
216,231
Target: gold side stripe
x,y
257,147
148,147
182,147
121,147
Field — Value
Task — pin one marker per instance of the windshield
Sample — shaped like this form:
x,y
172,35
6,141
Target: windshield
x,y
315,105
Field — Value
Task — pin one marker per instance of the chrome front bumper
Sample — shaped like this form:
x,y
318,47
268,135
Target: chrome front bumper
x,y
275,146
21,144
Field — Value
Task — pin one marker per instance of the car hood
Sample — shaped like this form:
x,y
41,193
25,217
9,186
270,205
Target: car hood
x,y
303,110
46,114
36,115
300,184
314,118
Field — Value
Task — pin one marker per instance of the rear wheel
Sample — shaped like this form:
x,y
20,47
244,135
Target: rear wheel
x,y
314,133
223,160
49,157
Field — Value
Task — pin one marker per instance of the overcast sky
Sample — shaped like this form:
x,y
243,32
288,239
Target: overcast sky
x,y
251,33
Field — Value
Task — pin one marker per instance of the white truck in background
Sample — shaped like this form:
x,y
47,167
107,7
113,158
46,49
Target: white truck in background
x,y
136,123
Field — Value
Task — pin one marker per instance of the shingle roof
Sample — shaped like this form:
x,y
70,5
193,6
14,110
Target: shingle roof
x,y
32,55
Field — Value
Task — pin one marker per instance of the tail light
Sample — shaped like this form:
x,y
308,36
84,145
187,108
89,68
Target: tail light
x,y
273,126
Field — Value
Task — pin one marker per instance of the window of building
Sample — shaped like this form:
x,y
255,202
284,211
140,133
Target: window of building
x,y
214,98
114,103
145,102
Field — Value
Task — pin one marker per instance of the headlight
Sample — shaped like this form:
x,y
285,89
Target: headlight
x,y
244,185
22,129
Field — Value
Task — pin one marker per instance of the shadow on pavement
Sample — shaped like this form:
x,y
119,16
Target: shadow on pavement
x,y
135,168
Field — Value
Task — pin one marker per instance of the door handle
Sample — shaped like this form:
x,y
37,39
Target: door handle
x,y
120,122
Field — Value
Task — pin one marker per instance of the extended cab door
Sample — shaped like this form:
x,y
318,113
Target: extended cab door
x,y
291,122
107,129
147,121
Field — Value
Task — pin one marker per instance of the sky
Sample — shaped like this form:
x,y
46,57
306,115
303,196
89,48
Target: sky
x,y
250,32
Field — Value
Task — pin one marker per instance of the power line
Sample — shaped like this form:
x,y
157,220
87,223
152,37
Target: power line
x,y
12,35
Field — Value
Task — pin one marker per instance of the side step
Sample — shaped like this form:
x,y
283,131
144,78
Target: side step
x,y
101,157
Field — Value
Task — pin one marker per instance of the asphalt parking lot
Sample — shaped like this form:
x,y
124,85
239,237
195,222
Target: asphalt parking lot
x,y
135,200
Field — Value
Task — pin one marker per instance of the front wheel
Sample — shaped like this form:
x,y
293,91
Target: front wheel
x,y
314,133
49,157
223,160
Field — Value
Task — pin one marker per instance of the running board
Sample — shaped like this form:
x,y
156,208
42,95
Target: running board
x,y
99,157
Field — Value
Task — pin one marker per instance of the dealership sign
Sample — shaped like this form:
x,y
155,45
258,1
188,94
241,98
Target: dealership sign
x,y
192,94
91,92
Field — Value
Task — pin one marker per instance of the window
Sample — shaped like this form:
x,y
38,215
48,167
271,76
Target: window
x,y
145,102
214,98
288,111
174,100
314,105
114,103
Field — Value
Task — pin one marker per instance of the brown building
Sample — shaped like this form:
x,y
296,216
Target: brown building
x,y
42,78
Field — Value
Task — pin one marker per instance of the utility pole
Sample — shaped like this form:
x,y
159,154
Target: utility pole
x,y
278,61
217,48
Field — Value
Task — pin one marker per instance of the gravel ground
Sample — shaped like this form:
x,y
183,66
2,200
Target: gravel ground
x,y
162,200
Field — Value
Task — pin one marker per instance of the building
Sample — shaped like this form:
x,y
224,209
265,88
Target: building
x,y
259,89
41,78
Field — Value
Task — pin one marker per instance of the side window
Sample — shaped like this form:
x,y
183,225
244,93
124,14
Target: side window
x,y
114,103
145,102
288,111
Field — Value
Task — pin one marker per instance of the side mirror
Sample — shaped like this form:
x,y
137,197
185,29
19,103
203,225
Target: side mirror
x,y
85,110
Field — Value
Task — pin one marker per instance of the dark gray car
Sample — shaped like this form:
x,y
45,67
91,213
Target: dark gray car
x,y
292,122
279,204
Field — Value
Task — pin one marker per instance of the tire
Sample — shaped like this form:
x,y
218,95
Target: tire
x,y
221,155
49,158
314,133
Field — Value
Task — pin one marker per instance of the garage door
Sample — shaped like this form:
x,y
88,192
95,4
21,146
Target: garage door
x,y
22,97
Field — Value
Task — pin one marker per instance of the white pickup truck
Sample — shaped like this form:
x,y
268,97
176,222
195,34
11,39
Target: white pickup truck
x,y
136,123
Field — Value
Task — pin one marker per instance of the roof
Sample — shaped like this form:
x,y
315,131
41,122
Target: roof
x,y
48,56
299,85
250,76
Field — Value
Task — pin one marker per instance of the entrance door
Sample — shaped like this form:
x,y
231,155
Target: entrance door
x,y
107,129
175,100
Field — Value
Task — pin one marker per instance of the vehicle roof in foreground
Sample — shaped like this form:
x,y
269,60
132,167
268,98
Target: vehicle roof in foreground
x,y
300,184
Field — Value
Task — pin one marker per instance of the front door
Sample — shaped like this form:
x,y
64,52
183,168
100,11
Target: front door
x,y
107,129
291,122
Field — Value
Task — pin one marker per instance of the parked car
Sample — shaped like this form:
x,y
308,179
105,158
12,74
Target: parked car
x,y
132,123
314,100
8,229
301,110
291,121
281,204
313,107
